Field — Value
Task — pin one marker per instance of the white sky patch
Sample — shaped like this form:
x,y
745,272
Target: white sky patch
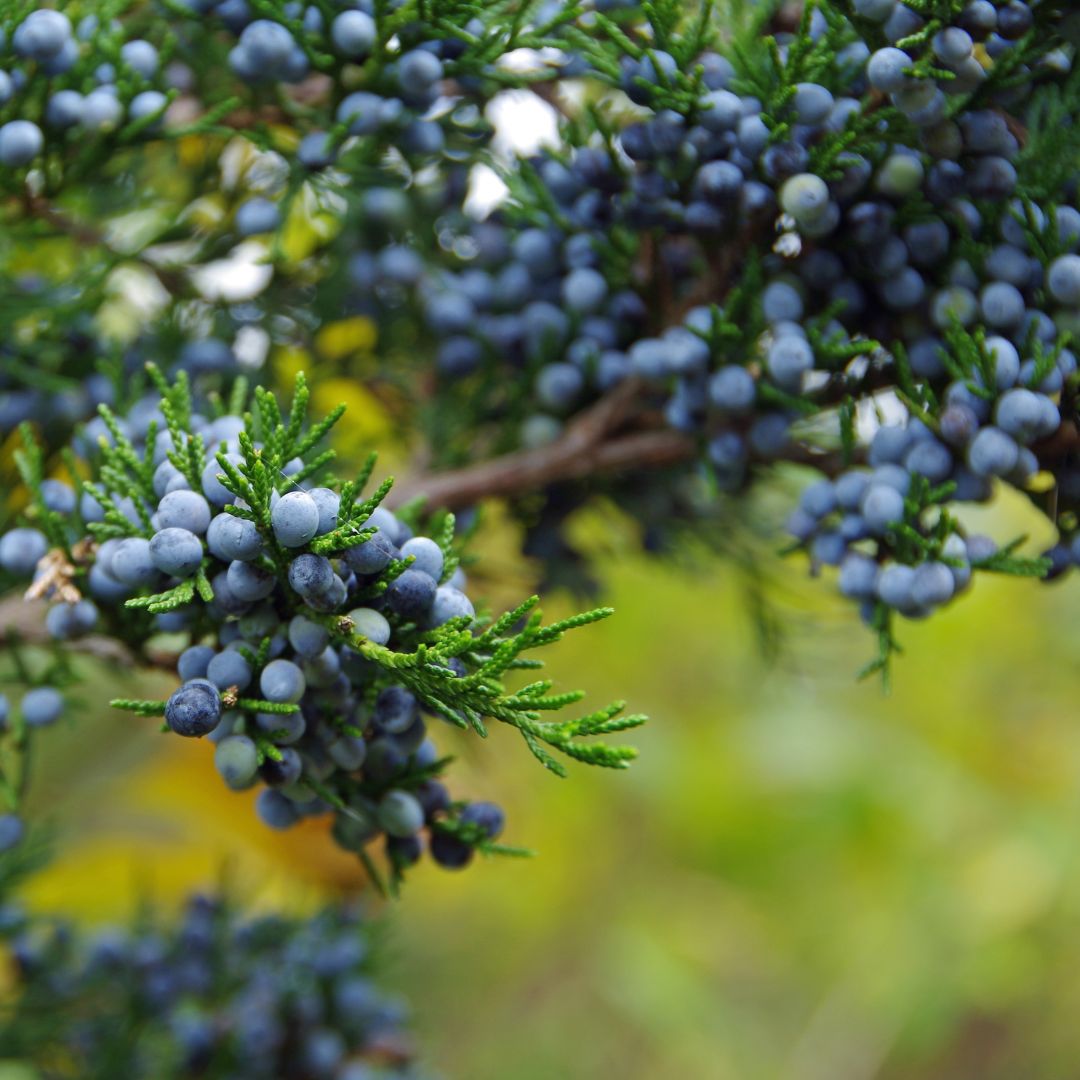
x,y
890,408
251,345
523,123
242,276
486,191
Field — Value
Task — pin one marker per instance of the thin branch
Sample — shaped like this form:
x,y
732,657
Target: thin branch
x,y
23,621
589,445
533,470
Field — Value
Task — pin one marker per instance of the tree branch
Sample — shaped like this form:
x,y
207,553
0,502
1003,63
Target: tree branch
x,y
589,445
22,621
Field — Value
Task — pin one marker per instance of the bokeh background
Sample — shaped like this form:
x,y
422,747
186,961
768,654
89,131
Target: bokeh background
x,y
801,878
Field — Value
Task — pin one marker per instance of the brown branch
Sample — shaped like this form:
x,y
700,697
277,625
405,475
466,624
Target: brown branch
x,y
23,621
532,470
1061,444
590,444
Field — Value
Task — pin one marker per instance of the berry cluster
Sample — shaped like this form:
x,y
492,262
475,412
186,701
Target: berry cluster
x,y
766,247
217,996
125,89
537,299
321,631
131,88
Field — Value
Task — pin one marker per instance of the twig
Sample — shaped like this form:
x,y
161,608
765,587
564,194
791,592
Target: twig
x,y
590,444
24,621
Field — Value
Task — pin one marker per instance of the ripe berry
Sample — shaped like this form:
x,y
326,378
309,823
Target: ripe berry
x,y
194,709
295,519
42,706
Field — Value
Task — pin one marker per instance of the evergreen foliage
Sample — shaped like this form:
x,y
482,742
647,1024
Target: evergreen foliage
x,y
838,237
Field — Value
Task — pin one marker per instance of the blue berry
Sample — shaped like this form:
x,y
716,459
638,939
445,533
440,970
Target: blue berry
x,y
21,550
236,759
353,33
267,44
584,290
140,55
411,593
400,814
58,496
895,584
184,510
20,142
487,816
194,709
316,150
42,34
932,585
858,577
427,556
370,624
132,562
307,638
275,810
257,216
362,111
12,831
395,710
66,621
283,771
328,503
284,728
1062,278
64,109
102,110
450,852
228,669
881,506
42,706
788,359
212,487
992,453
231,538
295,519
450,603
249,582
282,681
176,552
418,71
311,575
148,103
193,662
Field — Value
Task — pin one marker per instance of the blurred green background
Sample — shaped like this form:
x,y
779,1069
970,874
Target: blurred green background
x,y
801,878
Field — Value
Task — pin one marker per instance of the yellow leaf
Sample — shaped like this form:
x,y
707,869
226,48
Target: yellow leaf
x,y
367,417
144,849
337,340
289,361
192,151
299,238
